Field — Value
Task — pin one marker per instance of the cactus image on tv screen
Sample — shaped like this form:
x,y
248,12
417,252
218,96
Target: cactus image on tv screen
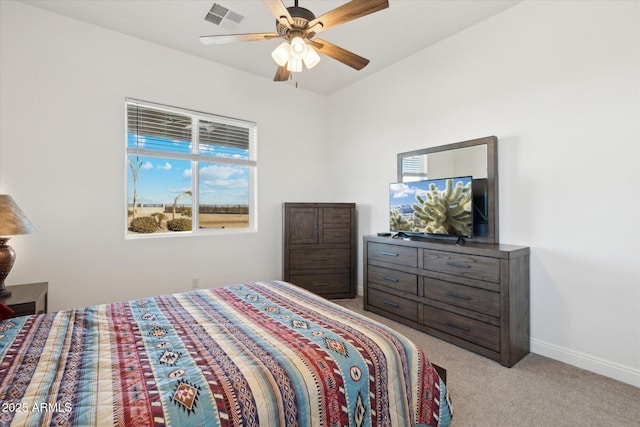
x,y
438,206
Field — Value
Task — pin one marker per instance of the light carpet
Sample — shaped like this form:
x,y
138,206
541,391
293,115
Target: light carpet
x,y
537,391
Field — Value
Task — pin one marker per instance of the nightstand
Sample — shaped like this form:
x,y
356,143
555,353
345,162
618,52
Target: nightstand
x,y
27,299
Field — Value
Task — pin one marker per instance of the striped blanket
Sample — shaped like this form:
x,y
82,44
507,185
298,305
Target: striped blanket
x,y
265,353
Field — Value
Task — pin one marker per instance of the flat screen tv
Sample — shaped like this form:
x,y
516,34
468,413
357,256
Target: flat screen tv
x,y
438,207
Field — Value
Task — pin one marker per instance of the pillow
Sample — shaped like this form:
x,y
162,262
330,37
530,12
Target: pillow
x,y
5,312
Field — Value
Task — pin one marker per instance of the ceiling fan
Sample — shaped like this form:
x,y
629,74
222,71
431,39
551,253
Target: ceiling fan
x,y
298,27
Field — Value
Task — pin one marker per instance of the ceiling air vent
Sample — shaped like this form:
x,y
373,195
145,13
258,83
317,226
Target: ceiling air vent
x,y
223,16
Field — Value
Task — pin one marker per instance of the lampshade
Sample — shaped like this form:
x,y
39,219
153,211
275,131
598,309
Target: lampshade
x,y
311,57
281,54
12,220
294,65
298,48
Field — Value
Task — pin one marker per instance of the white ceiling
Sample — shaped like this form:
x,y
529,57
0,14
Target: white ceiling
x,y
384,37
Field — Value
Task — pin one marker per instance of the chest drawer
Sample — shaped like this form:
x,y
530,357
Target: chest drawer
x,y
475,299
393,279
336,217
393,304
312,259
336,235
322,284
470,266
479,333
394,254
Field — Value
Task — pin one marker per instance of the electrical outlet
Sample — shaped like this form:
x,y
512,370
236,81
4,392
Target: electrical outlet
x,y
195,282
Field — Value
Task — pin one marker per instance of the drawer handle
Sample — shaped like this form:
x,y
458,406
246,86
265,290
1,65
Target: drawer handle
x,y
390,279
320,259
462,328
389,253
458,264
455,295
392,304
321,284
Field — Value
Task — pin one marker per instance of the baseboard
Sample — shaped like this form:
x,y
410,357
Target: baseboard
x,y
588,362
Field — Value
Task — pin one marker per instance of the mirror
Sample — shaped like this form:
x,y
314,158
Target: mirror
x,y
478,158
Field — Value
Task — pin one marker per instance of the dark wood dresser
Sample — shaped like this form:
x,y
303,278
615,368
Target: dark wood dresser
x,y
475,295
28,299
320,248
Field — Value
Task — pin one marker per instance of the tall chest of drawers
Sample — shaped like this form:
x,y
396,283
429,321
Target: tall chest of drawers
x,y
475,295
320,248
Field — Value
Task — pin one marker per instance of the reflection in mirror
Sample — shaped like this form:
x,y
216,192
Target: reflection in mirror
x,y
445,164
477,158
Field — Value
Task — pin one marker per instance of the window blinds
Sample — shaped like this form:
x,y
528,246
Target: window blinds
x,y
414,166
152,127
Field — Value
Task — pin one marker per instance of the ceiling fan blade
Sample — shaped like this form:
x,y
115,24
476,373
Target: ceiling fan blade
x,y
278,10
230,38
282,74
339,54
347,12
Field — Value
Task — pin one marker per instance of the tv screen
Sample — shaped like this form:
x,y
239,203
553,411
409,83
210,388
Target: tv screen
x,y
436,206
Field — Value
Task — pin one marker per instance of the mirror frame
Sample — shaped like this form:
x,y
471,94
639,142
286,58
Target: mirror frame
x,y
492,179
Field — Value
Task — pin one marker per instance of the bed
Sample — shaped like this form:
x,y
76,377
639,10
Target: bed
x,y
264,353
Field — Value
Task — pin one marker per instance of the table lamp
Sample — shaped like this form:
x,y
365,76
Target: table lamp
x,y
13,222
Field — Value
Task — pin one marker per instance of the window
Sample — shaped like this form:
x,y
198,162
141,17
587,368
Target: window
x,y
188,171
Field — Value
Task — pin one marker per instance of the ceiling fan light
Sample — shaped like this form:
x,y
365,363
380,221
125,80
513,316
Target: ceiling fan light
x,y
294,65
311,58
281,54
298,48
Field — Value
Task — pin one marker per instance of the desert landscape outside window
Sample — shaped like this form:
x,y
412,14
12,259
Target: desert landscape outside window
x,y
188,171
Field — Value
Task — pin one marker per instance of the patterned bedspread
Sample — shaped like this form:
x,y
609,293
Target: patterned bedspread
x,y
265,353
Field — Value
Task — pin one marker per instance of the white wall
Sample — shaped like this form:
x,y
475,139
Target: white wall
x,y
63,85
558,83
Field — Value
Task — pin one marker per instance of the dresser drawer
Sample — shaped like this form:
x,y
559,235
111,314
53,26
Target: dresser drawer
x,y
322,283
336,235
393,304
393,279
470,266
475,299
394,254
472,330
336,216
311,259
